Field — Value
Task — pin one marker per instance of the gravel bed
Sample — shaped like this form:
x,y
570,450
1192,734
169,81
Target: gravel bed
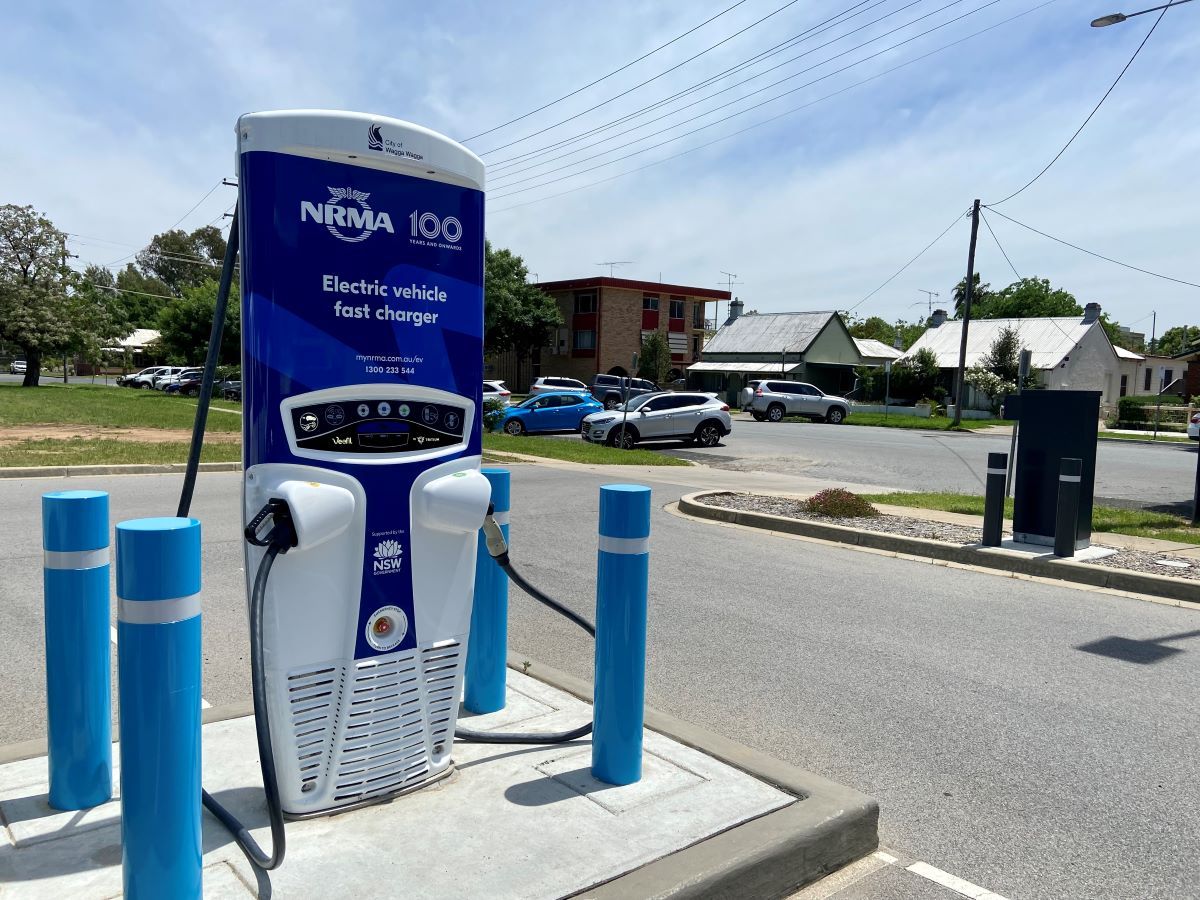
x,y
1131,560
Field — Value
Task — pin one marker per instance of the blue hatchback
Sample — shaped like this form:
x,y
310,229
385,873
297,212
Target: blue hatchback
x,y
550,411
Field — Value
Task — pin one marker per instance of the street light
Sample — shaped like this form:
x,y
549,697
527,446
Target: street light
x,y
1117,18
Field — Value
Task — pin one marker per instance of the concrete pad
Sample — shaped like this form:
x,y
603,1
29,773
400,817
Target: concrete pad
x,y
512,821
1045,551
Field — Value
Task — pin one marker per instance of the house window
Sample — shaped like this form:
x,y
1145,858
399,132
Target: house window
x,y
1124,385
584,340
677,307
585,302
650,302
1146,387
1168,377
697,314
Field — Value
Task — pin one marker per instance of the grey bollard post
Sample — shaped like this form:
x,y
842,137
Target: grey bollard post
x,y
993,501
1066,525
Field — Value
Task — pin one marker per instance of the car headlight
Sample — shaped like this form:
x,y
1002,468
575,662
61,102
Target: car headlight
x,y
603,420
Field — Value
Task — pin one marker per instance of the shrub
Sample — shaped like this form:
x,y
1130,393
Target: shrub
x,y
839,503
493,413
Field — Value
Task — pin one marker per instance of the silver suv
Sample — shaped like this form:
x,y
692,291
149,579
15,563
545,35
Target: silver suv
x,y
556,383
772,400
696,418
613,390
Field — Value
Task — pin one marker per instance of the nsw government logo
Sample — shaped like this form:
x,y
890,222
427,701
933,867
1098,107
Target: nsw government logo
x,y
389,557
347,215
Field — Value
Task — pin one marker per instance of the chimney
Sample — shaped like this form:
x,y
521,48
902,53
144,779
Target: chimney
x,y
1091,313
938,318
735,310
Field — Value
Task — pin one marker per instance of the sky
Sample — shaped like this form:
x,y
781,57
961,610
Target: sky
x,y
120,122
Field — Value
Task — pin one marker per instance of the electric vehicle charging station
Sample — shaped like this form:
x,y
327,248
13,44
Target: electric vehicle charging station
x,y
362,344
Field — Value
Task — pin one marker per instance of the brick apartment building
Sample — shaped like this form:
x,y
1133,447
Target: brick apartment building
x,y
604,323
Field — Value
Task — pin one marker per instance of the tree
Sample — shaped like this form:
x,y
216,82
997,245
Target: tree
x,y
654,359
181,260
1029,298
34,279
97,315
517,315
878,329
186,325
980,293
1177,340
141,297
1003,358
916,377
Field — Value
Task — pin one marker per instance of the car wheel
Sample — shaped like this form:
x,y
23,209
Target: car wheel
x,y
515,427
775,412
625,440
144,386
835,415
612,402
708,434
192,392
759,417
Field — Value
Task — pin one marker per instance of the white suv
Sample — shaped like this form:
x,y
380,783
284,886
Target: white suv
x,y
772,400
144,378
556,383
696,418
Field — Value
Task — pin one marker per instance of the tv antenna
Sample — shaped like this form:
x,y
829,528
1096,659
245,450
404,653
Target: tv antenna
x,y
929,295
613,263
729,282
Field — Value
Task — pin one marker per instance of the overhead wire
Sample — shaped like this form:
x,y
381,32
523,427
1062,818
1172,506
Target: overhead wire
x,y
999,246
616,71
1095,109
755,106
778,116
737,85
958,218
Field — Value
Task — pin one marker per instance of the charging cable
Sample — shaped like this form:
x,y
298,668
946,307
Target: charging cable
x,y
498,550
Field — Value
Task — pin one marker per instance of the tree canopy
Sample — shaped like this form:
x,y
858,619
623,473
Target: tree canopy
x,y
1029,298
517,316
654,358
1177,340
186,325
878,329
980,293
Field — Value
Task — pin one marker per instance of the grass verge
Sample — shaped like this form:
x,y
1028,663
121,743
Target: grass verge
x,y
1148,436
98,452
1137,522
920,423
579,451
85,404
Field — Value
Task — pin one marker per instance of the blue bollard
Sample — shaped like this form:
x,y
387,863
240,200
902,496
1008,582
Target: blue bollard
x,y
78,660
158,640
487,647
622,578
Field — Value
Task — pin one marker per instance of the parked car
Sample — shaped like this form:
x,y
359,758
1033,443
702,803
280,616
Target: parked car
x,y
1194,427
611,389
696,418
550,411
172,375
188,384
556,383
143,379
230,390
496,390
772,400
17,367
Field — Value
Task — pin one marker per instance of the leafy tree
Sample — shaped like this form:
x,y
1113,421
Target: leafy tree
x,y
186,325
878,329
1003,358
1029,298
181,260
35,310
97,315
517,315
916,377
980,293
993,385
654,359
1177,340
142,297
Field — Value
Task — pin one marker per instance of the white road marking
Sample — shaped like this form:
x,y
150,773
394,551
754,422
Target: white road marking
x,y
953,882
886,857
112,634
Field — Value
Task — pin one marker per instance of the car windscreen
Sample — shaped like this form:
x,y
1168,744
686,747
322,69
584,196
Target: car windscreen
x,y
635,402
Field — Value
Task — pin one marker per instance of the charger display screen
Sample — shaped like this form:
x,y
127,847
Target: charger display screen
x,y
377,426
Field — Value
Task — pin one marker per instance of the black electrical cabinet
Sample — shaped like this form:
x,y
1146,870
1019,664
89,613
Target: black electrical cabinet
x,y
1054,425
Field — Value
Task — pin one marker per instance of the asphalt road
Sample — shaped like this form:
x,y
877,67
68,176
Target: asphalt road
x,y
999,749
1133,473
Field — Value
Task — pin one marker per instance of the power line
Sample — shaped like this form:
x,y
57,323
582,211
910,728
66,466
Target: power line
x,y
700,85
999,246
1092,113
743,111
958,218
198,202
644,83
1093,253
735,85
781,115
609,75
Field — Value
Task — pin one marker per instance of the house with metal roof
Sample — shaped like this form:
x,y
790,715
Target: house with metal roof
x,y
876,353
1068,353
814,347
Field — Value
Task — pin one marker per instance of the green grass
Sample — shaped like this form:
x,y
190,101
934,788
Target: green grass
x,y
94,452
54,403
1137,522
919,422
579,451
1148,436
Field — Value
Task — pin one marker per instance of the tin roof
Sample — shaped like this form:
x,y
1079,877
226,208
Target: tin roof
x,y
792,332
1049,339
869,348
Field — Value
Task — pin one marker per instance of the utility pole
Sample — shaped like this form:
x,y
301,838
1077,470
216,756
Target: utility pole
x,y
966,319
929,295
1153,329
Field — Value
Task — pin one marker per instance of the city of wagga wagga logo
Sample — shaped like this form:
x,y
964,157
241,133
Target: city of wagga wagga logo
x,y
388,557
347,215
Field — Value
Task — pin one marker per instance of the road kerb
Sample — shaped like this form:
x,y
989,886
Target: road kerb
x,y
126,469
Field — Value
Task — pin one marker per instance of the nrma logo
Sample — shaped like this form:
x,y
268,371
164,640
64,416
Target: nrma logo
x,y
389,557
347,215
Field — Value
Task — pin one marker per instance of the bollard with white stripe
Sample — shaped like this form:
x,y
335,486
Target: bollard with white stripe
x,y
993,501
487,647
622,577
78,675
1066,523
158,634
